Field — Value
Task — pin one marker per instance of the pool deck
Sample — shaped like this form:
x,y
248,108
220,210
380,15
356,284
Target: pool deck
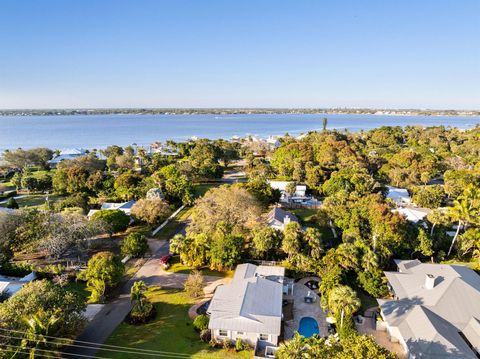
x,y
302,309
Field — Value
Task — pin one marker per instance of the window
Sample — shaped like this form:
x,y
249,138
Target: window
x,y
240,333
263,336
223,333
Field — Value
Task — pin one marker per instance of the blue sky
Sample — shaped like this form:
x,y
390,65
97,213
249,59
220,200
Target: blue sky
x,y
243,53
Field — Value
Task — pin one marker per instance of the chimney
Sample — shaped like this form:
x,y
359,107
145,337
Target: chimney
x,y
286,219
429,281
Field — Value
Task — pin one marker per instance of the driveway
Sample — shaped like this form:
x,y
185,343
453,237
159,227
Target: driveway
x,y
113,313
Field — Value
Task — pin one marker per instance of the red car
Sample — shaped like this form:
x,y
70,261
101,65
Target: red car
x,y
165,260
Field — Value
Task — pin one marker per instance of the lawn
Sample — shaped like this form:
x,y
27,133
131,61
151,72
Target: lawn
x,y
177,267
202,188
307,217
171,228
171,331
36,200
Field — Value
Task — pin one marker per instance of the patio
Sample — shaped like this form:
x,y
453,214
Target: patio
x,y
304,307
368,327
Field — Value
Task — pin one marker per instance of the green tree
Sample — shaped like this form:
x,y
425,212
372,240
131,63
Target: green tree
x,y
137,294
113,220
292,236
428,196
194,284
265,240
225,251
104,270
343,300
425,245
11,203
127,185
151,211
294,348
134,244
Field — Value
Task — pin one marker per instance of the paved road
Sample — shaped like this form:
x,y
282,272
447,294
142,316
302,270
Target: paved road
x,y
112,314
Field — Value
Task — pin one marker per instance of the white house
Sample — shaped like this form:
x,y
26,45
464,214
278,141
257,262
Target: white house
x,y
123,206
413,214
9,286
299,195
250,307
277,218
399,196
67,154
436,310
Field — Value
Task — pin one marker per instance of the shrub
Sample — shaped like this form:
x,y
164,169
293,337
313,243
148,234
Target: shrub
x,y
12,203
226,344
135,244
194,284
151,210
239,346
114,220
15,270
143,314
200,323
206,335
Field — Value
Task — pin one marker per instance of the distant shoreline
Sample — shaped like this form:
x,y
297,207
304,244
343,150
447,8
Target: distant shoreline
x,y
237,111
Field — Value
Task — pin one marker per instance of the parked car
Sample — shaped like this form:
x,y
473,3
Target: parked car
x,y
165,261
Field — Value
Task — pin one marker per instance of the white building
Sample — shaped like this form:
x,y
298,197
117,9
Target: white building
x,y
250,307
278,218
300,194
67,154
399,196
125,207
412,214
436,310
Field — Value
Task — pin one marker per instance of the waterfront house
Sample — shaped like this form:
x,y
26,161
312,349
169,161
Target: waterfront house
x,y
67,154
250,307
435,312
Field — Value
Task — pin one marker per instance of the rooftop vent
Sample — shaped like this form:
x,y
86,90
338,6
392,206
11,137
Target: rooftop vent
x,y
429,281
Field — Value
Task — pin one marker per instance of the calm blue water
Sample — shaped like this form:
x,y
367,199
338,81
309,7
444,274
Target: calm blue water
x,y
103,130
308,327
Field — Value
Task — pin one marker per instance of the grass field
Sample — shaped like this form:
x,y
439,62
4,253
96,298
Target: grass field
x,y
171,331
35,200
177,267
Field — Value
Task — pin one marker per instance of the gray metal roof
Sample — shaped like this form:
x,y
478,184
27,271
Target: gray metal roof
x,y
454,301
250,303
279,214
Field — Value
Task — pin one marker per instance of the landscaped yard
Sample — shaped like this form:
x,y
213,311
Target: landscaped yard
x,y
177,267
35,200
171,331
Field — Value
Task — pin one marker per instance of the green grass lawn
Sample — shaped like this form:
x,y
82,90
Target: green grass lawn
x,y
177,267
171,331
307,217
36,200
170,229
202,188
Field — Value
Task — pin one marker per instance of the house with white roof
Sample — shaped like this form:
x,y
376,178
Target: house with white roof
x,y
300,194
278,218
435,312
67,154
412,214
9,286
399,196
250,307
125,207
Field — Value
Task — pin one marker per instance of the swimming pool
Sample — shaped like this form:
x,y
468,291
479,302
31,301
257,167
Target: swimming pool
x,y
308,327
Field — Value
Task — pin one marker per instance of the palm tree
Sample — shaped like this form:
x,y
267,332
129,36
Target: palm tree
x,y
465,211
347,254
137,293
343,299
325,122
369,260
38,327
292,349
435,217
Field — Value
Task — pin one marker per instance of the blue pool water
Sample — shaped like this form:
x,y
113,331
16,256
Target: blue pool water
x,y
308,327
